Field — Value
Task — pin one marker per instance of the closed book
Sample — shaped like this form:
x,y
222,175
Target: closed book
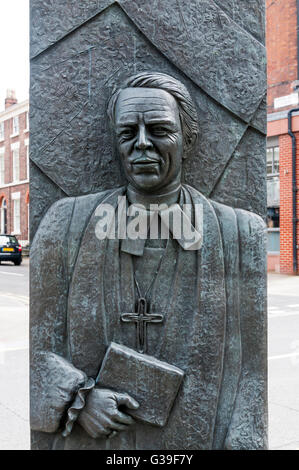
x,y
153,383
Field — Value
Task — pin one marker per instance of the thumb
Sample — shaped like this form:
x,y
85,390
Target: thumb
x,y
124,399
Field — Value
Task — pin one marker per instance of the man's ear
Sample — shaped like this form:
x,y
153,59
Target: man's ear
x,y
189,144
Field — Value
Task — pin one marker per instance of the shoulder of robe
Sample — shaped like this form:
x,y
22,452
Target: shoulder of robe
x,y
56,223
252,242
88,202
227,220
244,239
249,223
222,211
226,214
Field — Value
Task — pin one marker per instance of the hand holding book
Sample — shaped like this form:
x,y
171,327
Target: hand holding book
x,y
153,383
101,416
126,380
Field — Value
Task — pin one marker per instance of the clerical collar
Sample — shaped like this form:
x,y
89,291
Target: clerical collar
x,y
169,217
146,200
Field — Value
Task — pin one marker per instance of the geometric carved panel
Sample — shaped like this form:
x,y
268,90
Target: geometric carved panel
x,y
95,45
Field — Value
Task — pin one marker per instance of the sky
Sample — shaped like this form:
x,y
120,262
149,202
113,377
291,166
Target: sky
x,y
14,49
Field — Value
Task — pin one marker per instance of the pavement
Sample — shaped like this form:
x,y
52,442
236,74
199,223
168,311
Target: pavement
x,y
283,355
14,357
283,345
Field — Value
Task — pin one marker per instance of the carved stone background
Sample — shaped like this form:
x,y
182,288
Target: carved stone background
x,y
81,49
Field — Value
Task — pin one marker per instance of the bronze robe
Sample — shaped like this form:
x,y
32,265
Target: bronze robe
x,y
214,305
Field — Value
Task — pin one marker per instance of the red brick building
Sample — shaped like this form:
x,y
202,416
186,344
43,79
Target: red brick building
x,y
282,148
14,168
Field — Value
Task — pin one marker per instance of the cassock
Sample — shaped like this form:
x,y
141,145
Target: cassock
x,y
213,303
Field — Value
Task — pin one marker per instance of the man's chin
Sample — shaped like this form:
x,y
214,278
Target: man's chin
x,y
146,183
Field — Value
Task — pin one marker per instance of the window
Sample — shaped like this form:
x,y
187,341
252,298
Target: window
x,y
27,156
6,240
3,212
1,167
273,217
16,165
1,130
273,234
272,161
15,125
27,122
16,215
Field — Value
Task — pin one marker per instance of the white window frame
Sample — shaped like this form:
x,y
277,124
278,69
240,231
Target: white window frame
x,y
16,165
15,148
2,166
26,142
16,198
15,127
276,173
27,122
2,210
2,130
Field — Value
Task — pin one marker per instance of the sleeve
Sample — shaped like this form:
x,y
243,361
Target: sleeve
x,y
248,426
54,380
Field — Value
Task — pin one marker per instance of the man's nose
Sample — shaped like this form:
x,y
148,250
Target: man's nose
x,y
143,142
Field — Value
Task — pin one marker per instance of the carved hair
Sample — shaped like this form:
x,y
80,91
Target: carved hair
x,y
162,81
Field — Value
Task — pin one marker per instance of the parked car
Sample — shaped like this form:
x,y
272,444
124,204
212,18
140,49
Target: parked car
x,y
10,249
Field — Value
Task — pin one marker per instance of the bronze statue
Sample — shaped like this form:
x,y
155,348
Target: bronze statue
x,y
201,310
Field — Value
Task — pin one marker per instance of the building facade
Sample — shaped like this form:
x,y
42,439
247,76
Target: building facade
x,y
283,135
14,168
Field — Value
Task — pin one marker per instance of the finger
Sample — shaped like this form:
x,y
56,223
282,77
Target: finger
x,y
112,434
123,418
93,428
124,399
115,426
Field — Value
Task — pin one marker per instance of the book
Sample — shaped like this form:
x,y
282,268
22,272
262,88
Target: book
x,y
153,383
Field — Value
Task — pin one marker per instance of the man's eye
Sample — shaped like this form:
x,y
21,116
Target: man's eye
x,y
127,134
159,131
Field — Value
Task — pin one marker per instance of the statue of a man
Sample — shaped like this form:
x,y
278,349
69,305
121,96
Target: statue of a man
x,y
209,300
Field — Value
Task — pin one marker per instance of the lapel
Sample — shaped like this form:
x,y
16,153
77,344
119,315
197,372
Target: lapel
x,y
88,330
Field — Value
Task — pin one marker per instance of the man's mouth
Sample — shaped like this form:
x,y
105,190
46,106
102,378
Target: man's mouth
x,y
145,164
145,161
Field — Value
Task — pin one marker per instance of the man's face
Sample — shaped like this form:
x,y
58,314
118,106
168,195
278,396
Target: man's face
x,y
149,137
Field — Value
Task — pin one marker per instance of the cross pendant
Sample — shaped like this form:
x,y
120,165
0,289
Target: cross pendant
x,y
142,317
